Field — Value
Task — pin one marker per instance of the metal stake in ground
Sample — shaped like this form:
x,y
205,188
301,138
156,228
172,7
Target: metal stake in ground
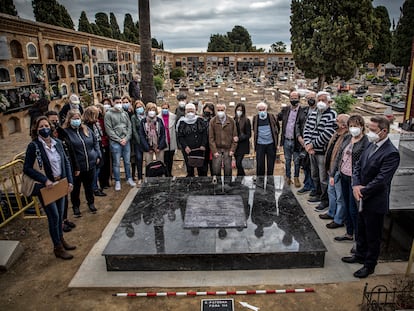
x,y
218,293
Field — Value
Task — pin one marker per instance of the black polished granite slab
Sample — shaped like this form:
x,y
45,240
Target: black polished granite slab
x,y
196,223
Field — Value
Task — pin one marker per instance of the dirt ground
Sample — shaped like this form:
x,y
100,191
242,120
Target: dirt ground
x,y
39,281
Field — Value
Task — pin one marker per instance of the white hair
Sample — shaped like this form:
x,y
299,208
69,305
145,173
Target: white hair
x,y
321,93
261,104
190,106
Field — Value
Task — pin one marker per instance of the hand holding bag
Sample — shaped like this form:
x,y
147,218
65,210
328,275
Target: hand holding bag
x,y
28,184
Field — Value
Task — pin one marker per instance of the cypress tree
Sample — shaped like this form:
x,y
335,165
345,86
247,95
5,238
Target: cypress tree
x,y
7,7
84,24
116,33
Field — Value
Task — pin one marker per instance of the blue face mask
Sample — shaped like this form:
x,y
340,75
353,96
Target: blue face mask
x,y
140,110
165,112
45,132
125,106
262,114
75,123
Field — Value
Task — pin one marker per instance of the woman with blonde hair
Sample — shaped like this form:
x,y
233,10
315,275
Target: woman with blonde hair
x,y
86,156
152,135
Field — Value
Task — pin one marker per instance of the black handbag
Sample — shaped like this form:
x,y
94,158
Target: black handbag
x,y
196,158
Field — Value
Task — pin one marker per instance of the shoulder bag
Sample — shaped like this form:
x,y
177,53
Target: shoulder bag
x,y
28,184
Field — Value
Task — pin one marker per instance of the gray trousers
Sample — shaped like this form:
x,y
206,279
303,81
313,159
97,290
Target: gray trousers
x,y
216,165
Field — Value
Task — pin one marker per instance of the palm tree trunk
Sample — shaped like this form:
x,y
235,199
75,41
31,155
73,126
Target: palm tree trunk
x,y
147,78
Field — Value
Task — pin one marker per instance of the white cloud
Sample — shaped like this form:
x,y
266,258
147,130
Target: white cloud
x,y
187,25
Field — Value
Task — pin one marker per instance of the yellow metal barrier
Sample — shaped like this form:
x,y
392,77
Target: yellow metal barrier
x,y
12,202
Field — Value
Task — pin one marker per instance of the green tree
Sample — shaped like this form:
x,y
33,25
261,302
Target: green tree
x,y
278,46
158,83
84,24
7,7
154,43
177,73
240,39
51,12
343,103
219,43
331,40
147,77
116,33
130,30
381,49
158,69
102,21
403,36
95,29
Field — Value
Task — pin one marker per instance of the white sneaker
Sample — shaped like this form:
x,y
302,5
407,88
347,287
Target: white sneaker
x,y
131,182
117,185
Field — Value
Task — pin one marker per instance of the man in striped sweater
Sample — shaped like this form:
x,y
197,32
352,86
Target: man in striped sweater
x,y
319,128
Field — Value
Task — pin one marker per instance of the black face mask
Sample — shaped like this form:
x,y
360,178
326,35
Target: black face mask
x,y
311,102
56,124
294,102
207,114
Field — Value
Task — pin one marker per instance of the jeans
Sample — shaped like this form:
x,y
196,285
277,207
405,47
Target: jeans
x,y
351,209
226,158
320,177
268,153
336,200
307,181
117,151
139,159
54,213
289,152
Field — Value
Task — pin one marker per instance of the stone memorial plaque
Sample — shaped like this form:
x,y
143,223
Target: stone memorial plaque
x,y
217,305
219,211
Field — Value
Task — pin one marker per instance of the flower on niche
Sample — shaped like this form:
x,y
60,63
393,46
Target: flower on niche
x,y
4,102
33,97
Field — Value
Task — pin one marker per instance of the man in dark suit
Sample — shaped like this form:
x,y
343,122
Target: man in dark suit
x,y
371,183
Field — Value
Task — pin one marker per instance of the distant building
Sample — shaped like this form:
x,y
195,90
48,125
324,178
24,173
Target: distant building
x,y
41,60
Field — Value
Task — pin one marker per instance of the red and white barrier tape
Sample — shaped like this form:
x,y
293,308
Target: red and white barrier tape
x,y
217,293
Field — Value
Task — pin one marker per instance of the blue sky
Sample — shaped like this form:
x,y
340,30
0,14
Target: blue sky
x,y
187,25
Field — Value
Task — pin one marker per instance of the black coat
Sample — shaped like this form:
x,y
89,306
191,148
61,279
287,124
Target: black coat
x,y
244,134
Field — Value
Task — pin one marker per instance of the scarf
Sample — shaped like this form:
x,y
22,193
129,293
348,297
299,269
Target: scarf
x,y
152,134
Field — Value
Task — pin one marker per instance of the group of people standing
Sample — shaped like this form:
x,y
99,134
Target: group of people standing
x,y
346,172
342,172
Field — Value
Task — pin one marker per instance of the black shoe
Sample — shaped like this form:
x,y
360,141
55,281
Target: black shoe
x,y
364,272
92,208
353,259
69,223
343,238
313,193
99,193
325,216
66,228
314,200
76,212
320,208
333,225
353,250
303,191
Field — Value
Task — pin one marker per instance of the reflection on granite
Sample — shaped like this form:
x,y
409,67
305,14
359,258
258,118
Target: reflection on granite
x,y
269,229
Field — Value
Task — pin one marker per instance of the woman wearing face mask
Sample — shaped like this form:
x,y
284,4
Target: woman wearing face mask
x,y
87,155
152,135
127,106
348,155
192,134
55,167
244,132
169,118
105,171
136,119
208,114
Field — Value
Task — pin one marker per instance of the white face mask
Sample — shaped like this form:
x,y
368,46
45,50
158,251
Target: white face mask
x,y
118,106
373,137
221,114
239,113
355,131
321,106
107,107
181,104
190,115
151,113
